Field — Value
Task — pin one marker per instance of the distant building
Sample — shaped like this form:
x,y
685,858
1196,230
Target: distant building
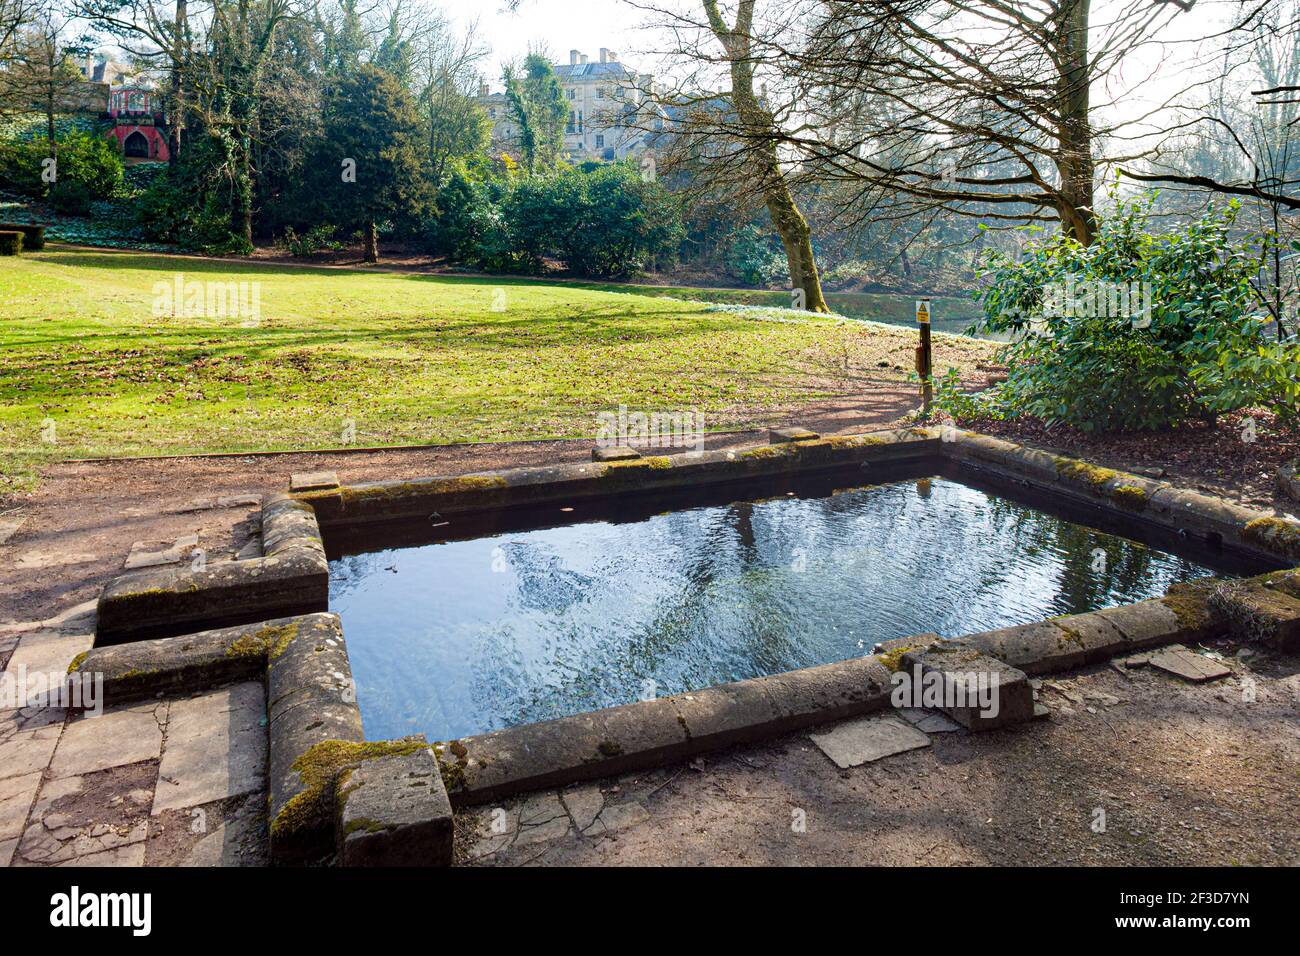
x,y
103,70
139,124
612,113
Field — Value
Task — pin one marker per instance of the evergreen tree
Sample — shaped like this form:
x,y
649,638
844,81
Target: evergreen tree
x,y
378,169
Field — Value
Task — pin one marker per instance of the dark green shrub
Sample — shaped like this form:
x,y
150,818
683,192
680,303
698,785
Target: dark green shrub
x,y
1089,354
33,235
11,243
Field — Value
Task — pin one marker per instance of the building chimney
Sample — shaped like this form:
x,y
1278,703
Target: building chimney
x,y
584,59
613,57
482,89
573,57
604,55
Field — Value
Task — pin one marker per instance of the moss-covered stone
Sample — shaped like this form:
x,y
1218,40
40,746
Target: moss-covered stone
x,y
1190,602
1071,469
767,452
269,642
321,768
1131,497
1275,534
453,758
77,662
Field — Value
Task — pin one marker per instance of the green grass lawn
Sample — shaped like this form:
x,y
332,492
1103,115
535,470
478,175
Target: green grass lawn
x,y
86,361
950,313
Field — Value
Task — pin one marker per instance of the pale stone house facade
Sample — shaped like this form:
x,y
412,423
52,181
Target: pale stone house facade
x,y
612,113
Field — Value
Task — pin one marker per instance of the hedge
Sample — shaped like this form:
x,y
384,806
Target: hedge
x,y
33,235
11,243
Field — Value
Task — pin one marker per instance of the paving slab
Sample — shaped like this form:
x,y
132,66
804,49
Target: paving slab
x,y
115,739
928,721
142,557
47,652
584,805
131,855
1181,662
79,817
27,752
617,816
216,748
542,817
313,481
869,739
16,796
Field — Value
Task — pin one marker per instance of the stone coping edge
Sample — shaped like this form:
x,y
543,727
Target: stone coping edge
x,y
515,487
1214,520
291,576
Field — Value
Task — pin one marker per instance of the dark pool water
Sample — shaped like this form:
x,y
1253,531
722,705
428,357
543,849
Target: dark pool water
x,y
460,637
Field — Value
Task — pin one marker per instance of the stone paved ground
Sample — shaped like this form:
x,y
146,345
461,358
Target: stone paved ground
x,y
1185,775
177,782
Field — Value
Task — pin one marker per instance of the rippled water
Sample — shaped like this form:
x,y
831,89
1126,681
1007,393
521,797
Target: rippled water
x,y
461,637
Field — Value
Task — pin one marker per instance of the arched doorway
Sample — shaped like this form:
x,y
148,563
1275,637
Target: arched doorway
x,y
136,146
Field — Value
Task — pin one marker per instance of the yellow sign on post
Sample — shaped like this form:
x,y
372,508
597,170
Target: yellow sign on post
x,y
923,311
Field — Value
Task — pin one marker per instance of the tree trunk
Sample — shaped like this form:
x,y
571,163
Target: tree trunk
x,y
178,87
372,241
789,222
1074,162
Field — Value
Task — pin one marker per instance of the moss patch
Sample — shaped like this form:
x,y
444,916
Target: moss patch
x,y
453,758
655,462
1071,469
1276,534
321,768
269,642
1131,497
1190,602
77,662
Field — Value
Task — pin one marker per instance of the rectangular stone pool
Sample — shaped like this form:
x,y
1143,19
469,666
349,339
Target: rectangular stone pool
x,y
499,619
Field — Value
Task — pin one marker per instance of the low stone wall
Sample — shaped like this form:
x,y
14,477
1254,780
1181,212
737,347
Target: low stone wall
x,y
291,576
523,487
1190,513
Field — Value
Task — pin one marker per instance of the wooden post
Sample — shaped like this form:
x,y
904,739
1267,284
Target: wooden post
x,y
925,357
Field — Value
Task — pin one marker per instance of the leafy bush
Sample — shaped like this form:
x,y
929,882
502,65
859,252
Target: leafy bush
x,y
88,168
189,205
1186,345
602,221
756,258
310,242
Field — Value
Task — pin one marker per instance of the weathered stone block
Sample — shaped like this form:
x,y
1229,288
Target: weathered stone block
x,y
394,811
1038,648
1288,479
792,433
313,481
966,675
614,453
